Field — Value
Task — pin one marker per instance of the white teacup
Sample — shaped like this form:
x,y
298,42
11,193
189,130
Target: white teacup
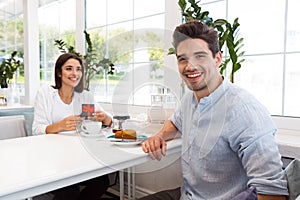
x,y
91,127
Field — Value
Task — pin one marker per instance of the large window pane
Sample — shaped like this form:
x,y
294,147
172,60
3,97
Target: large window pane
x,y
217,10
108,45
120,42
49,15
56,17
132,40
55,23
95,13
262,28
119,11
153,7
293,28
262,76
11,39
292,83
67,11
156,21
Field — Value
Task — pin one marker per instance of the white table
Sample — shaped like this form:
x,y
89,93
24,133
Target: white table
x,y
38,164
288,143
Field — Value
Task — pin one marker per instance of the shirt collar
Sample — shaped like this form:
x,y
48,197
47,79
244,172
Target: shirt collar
x,y
215,95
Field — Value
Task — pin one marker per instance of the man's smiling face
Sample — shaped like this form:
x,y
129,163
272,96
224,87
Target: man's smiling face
x,y
196,64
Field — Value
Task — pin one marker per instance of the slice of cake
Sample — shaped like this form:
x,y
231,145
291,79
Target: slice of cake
x,y
128,134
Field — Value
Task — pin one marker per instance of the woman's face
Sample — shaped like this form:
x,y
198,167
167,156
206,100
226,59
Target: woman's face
x,y
71,73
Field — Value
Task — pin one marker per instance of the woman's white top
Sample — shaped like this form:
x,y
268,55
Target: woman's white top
x,y
49,108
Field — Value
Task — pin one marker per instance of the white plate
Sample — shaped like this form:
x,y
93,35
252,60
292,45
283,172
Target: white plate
x,y
125,142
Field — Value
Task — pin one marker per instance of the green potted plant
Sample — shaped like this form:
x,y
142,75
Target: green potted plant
x,y
8,68
228,34
91,63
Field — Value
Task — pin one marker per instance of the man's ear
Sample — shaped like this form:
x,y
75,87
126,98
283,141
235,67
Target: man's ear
x,y
218,59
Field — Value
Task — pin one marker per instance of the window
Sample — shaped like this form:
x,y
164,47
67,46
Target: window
x,y
129,33
125,30
272,45
54,24
11,39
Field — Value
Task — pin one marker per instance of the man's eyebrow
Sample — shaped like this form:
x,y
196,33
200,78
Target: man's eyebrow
x,y
200,52
180,55
195,53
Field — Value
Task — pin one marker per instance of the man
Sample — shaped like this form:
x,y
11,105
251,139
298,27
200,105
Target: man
x,y
228,141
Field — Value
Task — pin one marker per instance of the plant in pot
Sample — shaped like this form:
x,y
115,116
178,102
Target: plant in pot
x,y
8,68
90,59
228,34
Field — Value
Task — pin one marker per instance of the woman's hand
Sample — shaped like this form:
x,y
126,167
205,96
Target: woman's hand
x,y
155,146
70,123
67,124
102,117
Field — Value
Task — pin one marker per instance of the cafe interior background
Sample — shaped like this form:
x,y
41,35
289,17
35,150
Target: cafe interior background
x,y
135,35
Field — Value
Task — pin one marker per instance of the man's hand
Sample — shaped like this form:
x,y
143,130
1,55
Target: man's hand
x,y
155,146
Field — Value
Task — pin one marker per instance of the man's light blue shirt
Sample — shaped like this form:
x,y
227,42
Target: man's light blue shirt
x,y
228,145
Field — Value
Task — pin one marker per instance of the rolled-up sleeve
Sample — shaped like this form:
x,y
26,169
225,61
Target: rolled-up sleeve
x,y
257,149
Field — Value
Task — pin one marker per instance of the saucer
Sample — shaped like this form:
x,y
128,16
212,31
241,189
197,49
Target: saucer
x,y
126,142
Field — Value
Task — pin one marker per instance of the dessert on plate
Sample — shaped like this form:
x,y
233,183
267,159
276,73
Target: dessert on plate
x,y
128,134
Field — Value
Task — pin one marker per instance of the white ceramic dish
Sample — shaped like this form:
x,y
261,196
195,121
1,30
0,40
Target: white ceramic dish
x,y
124,142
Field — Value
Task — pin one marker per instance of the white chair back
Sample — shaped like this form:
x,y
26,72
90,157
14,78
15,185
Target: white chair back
x,y
12,127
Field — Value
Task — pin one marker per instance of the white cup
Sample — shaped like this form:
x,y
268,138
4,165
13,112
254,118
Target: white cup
x,y
91,127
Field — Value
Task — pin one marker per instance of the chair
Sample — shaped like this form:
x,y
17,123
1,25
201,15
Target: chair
x,y
293,178
12,127
26,111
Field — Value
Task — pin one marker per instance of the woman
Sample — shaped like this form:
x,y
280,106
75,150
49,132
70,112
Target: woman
x,y
57,108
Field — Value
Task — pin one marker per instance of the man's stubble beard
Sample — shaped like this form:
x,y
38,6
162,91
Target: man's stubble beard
x,y
198,88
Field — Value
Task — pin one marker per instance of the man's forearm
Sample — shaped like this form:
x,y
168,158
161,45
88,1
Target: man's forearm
x,y
169,131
